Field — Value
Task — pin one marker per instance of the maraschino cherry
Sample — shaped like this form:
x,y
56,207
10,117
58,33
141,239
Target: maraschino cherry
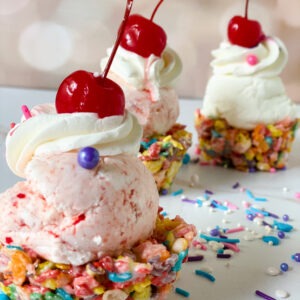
x,y
244,32
84,91
143,37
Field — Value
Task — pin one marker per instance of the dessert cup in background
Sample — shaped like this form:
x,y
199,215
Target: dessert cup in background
x,y
85,223
247,121
147,72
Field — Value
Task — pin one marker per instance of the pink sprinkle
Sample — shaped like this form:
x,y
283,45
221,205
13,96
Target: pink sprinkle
x,y
242,189
197,151
252,59
232,247
12,125
246,204
231,205
26,112
297,195
234,230
199,245
260,215
272,170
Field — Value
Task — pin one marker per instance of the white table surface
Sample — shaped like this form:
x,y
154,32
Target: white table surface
x,y
245,272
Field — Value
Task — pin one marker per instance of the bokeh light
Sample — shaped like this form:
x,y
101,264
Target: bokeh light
x,y
8,7
45,45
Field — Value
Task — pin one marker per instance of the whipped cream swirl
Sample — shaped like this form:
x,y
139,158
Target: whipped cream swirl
x,y
245,88
47,132
271,55
150,73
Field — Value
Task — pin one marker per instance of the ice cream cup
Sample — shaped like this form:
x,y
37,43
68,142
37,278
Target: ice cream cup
x,y
264,148
163,155
147,271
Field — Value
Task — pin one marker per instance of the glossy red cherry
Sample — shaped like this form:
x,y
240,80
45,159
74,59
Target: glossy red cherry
x,y
244,32
81,91
142,36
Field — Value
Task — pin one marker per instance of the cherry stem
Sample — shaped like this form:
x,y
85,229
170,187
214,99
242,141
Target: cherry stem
x,y
246,9
119,37
155,10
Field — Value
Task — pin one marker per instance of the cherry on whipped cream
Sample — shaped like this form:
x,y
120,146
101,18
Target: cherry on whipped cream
x,y
244,32
144,37
83,91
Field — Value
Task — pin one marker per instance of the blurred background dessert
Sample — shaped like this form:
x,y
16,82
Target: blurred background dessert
x,y
247,121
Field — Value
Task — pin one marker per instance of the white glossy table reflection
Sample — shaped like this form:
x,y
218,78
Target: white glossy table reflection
x,y
239,277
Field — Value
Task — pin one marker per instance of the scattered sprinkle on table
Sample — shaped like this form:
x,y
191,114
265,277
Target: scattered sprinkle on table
x,y
178,192
182,292
273,271
195,258
205,275
236,185
282,294
263,295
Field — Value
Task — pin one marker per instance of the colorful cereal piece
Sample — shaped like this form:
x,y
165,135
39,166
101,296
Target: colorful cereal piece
x,y
119,277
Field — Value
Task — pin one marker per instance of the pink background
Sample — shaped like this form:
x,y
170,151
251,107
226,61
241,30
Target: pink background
x,y
41,41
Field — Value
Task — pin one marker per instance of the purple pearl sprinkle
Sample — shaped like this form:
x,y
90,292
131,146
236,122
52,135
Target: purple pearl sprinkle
x,y
284,267
250,217
285,218
281,234
88,157
163,192
263,295
214,232
296,257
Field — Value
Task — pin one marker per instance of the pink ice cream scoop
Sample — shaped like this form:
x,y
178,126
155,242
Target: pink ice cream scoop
x,y
158,116
148,87
69,214
154,116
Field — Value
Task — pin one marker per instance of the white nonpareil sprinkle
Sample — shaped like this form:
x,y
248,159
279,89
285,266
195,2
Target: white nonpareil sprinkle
x,y
195,179
249,237
268,229
282,294
273,271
